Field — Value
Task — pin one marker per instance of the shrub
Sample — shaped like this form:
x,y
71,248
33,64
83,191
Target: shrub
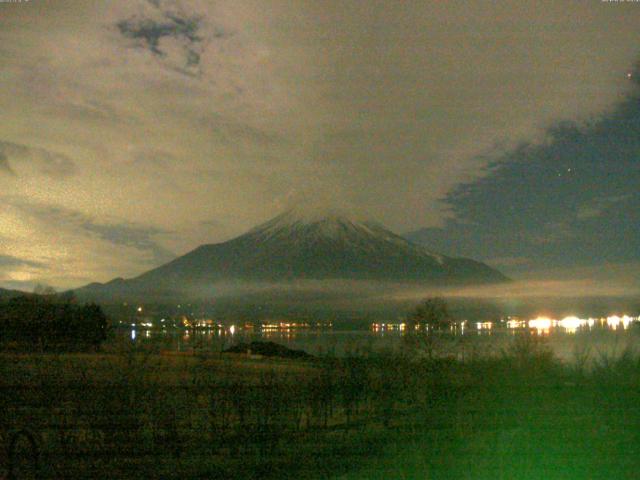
x,y
50,322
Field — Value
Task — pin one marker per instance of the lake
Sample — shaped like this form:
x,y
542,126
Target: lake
x,y
569,338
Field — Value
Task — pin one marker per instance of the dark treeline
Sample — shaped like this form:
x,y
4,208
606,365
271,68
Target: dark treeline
x,y
51,322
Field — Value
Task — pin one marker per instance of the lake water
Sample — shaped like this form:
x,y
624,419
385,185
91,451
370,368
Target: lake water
x,y
569,338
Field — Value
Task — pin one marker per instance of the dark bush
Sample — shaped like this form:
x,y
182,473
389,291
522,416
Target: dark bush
x,y
50,322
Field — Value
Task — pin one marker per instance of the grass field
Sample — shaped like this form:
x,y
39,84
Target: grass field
x,y
521,414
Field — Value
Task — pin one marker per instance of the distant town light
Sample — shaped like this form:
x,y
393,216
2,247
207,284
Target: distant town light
x,y
572,323
615,321
541,324
516,324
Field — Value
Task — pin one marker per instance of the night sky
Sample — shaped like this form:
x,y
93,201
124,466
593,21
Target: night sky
x,y
568,208
134,131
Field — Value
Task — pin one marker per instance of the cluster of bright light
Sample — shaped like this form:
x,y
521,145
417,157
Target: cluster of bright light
x,y
615,321
388,326
572,323
516,324
541,323
206,323
283,326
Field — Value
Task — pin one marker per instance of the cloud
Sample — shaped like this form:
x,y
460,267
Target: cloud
x,y
251,106
566,203
17,160
552,232
593,286
135,236
126,234
174,36
4,164
11,261
66,247
151,32
598,206
182,31
509,261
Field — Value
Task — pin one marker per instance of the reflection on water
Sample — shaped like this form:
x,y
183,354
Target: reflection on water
x,y
317,341
564,335
572,324
484,325
539,325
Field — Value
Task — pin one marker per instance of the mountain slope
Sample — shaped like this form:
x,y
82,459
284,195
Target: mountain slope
x,y
6,294
293,246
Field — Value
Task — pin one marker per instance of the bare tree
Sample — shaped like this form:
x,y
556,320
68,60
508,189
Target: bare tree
x,y
430,318
432,315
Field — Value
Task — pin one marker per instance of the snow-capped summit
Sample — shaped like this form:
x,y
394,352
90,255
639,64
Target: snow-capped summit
x,y
299,245
306,214
330,223
299,227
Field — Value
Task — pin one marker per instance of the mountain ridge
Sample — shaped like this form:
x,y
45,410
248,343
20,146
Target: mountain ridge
x,y
294,247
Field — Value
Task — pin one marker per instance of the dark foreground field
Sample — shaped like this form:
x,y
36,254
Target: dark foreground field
x,y
519,414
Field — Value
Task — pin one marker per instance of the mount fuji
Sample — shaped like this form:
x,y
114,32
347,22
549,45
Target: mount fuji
x,y
297,246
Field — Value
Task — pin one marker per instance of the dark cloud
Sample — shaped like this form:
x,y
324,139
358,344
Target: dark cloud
x,y
4,164
8,261
151,32
599,206
16,158
570,202
134,236
124,234
185,31
240,134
